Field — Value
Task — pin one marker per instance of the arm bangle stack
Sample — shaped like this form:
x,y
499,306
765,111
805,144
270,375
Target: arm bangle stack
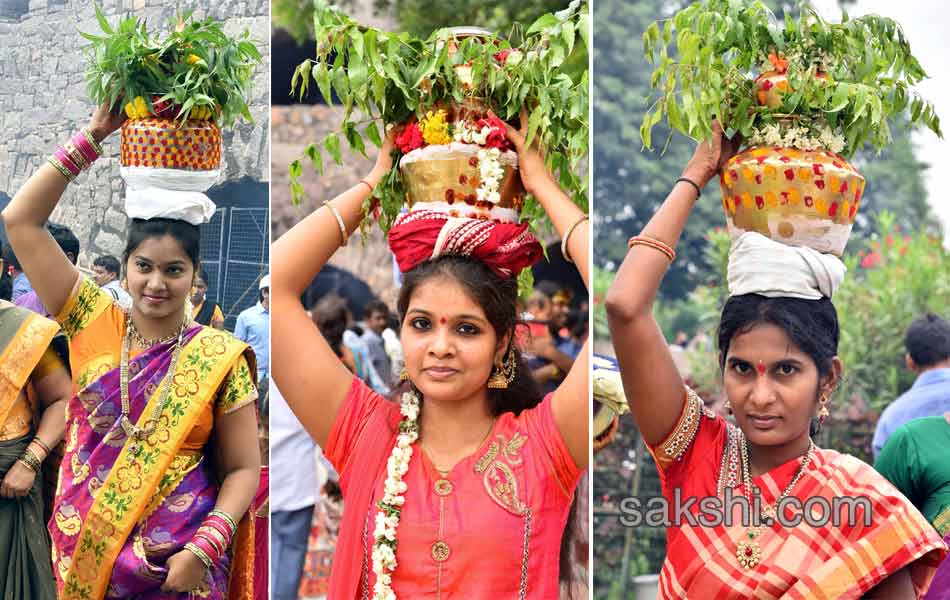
x,y
339,221
202,556
567,237
76,155
643,240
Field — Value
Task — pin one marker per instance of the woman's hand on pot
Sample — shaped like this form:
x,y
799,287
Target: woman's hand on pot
x,y
105,121
710,156
384,160
530,160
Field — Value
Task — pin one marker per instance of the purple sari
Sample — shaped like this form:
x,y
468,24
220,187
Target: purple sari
x,y
144,523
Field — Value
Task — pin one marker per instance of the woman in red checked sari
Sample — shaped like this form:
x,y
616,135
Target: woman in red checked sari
x,y
464,490
778,339
157,467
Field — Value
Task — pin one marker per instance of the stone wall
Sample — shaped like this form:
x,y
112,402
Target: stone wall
x,y
43,100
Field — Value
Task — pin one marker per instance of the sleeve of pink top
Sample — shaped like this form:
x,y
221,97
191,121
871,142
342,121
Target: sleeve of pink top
x,y
360,403
540,425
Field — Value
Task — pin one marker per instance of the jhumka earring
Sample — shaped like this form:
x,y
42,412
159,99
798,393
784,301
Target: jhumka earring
x,y
823,411
504,373
404,374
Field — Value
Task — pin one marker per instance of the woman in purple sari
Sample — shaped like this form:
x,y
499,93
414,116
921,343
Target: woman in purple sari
x,y
157,468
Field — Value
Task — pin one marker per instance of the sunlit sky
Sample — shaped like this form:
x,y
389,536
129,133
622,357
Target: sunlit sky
x,y
925,24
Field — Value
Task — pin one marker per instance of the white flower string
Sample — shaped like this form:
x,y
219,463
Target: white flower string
x,y
490,172
390,507
800,137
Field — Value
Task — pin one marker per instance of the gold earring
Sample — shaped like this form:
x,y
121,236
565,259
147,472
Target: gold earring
x,y
727,405
125,284
404,374
504,373
823,411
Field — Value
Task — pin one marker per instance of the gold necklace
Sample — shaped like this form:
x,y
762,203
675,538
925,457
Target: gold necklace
x,y
143,342
133,432
442,471
749,552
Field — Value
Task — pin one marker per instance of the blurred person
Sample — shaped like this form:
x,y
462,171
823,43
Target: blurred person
x,y
253,327
928,355
69,244
204,310
332,318
21,285
376,318
106,270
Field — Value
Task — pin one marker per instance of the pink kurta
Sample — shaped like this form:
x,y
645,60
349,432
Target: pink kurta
x,y
490,528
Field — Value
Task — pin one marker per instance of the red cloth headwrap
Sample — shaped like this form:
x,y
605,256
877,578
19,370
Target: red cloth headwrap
x,y
506,248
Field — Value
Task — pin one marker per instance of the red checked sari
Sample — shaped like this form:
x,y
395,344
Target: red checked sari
x,y
803,562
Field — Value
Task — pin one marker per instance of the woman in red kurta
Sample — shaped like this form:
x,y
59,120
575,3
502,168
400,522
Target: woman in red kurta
x,y
488,484
778,340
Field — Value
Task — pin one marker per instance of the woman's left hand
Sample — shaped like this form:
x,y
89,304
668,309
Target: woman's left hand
x,y
530,161
186,572
18,481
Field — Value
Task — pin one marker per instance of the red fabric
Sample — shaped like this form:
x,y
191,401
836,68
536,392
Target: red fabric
x,y
504,247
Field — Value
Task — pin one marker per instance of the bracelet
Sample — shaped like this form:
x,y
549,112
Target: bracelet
x,y
567,237
31,458
215,546
699,192
28,465
227,518
642,240
41,444
61,168
62,156
96,146
339,221
366,183
76,156
202,556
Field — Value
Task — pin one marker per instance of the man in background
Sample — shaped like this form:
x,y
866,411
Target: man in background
x,y
928,355
69,244
376,319
106,270
253,327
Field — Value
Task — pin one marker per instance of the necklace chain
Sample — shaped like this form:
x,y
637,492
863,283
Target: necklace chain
x,y
134,432
491,425
749,552
143,342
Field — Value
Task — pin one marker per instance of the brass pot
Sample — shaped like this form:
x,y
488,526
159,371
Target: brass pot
x,y
194,145
797,197
447,178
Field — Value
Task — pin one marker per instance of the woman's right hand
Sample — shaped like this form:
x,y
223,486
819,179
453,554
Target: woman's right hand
x,y
709,157
104,122
384,160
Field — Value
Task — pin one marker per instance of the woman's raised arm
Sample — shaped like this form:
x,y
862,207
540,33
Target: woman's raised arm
x,y
308,373
49,271
651,382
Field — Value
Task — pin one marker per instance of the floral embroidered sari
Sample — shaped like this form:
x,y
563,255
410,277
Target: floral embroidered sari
x,y
123,507
701,455
27,353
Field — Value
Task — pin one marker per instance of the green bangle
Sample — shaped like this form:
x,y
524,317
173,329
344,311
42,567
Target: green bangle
x,y
202,556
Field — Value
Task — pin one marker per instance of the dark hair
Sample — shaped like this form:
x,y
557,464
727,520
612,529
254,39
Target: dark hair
x,y
329,313
6,284
928,340
108,262
375,306
200,273
65,238
812,325
187,235
496,296
10,257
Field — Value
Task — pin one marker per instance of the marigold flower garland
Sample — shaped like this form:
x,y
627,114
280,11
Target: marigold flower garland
x,y
390,507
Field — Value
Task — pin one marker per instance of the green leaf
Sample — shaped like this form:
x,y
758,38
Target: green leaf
x,y
313,153
840,98
103,23
373,134
583,24
568,33
322,76
534,121
545,21
332,144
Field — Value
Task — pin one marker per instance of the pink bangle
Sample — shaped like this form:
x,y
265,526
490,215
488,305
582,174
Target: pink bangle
x,y
77,157
221,528
207,547
225,526
217,549
63,157
81,142
96,146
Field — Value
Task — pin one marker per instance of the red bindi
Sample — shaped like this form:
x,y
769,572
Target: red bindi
x,y
442,321
760,367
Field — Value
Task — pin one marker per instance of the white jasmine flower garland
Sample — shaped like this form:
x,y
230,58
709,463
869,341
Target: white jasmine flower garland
x,y
390,507
490,173
803,138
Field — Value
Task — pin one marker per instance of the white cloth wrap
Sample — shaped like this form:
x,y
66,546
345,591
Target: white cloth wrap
x,y
758,265
169,193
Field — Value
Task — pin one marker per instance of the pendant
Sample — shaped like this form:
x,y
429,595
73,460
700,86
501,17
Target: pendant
x,y
749,553
134,448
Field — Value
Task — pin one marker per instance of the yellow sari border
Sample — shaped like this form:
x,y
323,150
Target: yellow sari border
x,y
127,491
20,356
85,303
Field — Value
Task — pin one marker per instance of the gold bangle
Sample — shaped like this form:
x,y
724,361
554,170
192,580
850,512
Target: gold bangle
x,y
643,240
28,465
339,220
567,237
202,556
92,141
61,168
75,155
226,517
41,444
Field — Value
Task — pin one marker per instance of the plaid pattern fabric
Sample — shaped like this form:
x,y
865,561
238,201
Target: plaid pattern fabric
x,y
803,562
